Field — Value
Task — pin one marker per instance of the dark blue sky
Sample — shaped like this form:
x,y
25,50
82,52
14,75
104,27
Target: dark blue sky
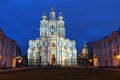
x,y
85,20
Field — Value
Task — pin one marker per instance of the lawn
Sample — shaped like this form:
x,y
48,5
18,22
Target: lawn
x,y
61,74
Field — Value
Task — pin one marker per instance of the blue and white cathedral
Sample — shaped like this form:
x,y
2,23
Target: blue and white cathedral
x,y
52,47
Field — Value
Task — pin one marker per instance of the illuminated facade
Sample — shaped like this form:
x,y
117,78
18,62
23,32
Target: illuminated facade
x,y
7,51
52,47
107,51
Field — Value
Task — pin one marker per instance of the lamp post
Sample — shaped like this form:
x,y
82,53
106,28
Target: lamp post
x,y
118,57
0,59
0,56
90,60
19,61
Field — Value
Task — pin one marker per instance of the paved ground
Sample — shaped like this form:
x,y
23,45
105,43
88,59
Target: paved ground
x,y
110,69
64,73
14,69
24,68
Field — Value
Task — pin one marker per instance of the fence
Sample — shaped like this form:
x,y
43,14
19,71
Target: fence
x,y
37,62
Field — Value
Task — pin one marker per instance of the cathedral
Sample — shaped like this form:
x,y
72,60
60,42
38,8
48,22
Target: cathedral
x,y
84,51
52,48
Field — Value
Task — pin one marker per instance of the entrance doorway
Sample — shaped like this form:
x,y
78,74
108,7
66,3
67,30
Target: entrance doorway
x,y
52,59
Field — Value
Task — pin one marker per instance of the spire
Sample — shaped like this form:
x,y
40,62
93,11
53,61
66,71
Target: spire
x,y
85,45
52,13
60,13
44,15
60,17
52,8
44,12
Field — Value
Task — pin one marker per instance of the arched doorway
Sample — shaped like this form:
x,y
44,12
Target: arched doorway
x,y
4,66
33,60
71,60
40,60
52,59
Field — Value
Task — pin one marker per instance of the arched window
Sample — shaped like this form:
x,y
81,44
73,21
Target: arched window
x,y
40,47
33,60
53,44
45,25
45,34
70,48
62,34
33,47
65,47
42,25
52,33
52,27
62,25
58,25
59,34
41,34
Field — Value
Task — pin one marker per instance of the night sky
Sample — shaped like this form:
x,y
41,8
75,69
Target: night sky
x,y
85,20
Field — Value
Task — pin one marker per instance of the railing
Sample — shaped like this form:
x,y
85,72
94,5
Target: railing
x,y
37,62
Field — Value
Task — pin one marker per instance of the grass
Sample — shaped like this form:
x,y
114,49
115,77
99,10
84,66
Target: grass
x,y
61,74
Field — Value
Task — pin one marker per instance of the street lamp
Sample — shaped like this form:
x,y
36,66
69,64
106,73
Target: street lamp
x,y
0,56
118,57
90,60
19,61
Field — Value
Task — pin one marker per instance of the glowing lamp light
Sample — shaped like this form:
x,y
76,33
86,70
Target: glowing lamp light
x,y
0,56
90,60
118,56
19,61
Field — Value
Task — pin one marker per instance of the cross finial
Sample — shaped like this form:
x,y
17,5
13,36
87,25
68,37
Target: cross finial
x,y
52,8
44,12
60,13
44,15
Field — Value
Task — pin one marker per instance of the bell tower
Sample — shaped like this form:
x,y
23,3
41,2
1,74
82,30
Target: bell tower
x,y
44,26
